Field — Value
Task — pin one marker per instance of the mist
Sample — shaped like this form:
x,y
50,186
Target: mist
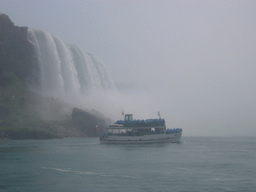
x,y
194,61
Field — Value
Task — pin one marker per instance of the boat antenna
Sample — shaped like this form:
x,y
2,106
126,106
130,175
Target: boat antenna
x,y
158,113
123,113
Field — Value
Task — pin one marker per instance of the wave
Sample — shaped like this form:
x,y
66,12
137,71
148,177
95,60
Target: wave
x,y
87,173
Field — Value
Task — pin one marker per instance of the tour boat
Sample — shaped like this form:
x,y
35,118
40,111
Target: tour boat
x,y
129,131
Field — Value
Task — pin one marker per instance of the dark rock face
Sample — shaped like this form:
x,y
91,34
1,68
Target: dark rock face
x,y
16,52
93,126
4,111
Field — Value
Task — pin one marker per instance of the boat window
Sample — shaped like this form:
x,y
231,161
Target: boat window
x,y
128,117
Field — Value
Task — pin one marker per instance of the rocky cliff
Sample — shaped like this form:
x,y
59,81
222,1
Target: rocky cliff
x,y
16,53
28,115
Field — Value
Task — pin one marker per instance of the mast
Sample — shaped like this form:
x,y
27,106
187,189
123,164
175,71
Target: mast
x,y
158,113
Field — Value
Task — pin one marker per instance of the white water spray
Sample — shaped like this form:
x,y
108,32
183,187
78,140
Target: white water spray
x,y
78,78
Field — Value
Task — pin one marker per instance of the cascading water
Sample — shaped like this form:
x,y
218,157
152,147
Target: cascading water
x,y
68,73
66,69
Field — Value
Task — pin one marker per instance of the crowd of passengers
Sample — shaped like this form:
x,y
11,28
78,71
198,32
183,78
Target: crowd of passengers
x,y
142,123
177,130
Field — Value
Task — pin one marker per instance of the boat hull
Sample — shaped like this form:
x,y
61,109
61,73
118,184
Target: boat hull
x,y
155,138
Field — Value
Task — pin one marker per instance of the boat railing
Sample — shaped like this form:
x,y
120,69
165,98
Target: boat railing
x,y
138,133
133,133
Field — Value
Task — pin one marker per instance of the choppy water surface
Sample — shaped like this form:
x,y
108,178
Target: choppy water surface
x,y
195,164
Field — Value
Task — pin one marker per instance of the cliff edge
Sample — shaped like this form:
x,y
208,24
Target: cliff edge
x,y
28,115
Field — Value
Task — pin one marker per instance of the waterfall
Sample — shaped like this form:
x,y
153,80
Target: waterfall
x,y
66,72
66,69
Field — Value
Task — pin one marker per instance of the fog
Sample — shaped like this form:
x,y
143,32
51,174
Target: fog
x,y
194,61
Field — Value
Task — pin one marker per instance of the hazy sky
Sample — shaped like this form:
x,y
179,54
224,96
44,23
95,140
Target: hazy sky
x,y
195,59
